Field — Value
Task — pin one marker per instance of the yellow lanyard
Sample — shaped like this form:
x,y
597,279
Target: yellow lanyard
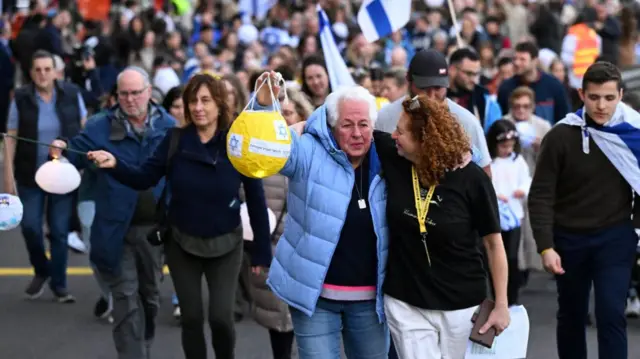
x,y
422,207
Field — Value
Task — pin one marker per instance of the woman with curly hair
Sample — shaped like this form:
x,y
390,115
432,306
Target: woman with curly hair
x,y
439,206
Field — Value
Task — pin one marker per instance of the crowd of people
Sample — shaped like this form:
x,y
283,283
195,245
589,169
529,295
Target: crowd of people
x,y
468,154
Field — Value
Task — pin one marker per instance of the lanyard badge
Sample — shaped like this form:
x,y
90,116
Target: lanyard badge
x,y
422,208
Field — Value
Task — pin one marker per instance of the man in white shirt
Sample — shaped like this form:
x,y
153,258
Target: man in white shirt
x,y
428,74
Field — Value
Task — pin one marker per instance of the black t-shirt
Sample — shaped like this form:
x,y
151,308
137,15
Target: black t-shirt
x,y
463,209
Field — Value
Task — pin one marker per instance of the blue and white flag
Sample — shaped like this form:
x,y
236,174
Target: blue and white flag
x,y
508,219
254,8
338,72
379,18
619,140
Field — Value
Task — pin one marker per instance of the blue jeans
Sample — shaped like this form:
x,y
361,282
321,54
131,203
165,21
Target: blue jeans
x,y
604,259
59,209
318,336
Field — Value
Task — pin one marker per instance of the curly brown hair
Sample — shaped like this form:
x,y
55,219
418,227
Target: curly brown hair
x,y
442,142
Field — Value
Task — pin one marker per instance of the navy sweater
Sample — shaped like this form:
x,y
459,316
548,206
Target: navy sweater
x,y
355,260
552,102
204,189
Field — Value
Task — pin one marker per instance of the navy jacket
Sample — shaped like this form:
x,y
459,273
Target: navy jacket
x,y
115,202
552,102
204,189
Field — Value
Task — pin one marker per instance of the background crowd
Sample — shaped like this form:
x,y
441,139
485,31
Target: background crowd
x,y
507,60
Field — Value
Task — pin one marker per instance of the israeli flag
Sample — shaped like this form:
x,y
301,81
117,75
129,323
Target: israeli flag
x,y
254,8
379,18
338,72
619,140
508,219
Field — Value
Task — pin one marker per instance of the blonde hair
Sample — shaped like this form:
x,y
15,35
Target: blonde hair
x,y
303,107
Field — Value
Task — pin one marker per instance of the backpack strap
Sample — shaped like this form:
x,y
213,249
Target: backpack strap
x,y
174,141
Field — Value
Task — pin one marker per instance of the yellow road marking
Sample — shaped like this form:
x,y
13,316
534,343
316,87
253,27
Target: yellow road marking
x,y
72,271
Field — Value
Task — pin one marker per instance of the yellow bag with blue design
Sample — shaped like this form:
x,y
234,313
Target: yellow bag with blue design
x,y
259,142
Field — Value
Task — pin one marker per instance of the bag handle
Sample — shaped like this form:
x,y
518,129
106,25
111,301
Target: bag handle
x,y
174,141
280,218
267,80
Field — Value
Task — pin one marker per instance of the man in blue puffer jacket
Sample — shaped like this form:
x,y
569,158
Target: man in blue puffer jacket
x,y
330,262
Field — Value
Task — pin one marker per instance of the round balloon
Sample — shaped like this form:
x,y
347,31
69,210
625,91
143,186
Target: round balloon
x,y
58,176
526,133
247,232
259,143
10,211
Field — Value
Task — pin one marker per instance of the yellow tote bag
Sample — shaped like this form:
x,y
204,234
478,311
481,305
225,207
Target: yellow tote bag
x,y
259,142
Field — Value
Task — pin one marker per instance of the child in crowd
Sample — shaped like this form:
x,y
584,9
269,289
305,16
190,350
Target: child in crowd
x,y
511,180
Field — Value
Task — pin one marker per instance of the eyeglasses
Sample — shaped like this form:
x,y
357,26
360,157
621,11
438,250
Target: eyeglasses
x,y
133,93
523,106
415,103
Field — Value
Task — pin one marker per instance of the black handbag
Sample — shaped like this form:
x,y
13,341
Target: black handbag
x,y
161,230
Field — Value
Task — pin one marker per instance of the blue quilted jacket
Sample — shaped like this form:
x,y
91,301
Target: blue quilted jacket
x,y
320,186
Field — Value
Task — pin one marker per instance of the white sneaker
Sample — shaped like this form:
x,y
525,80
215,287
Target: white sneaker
x,y
633,308
74,241
176,312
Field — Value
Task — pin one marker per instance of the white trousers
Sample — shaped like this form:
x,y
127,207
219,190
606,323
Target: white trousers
x,y
428,334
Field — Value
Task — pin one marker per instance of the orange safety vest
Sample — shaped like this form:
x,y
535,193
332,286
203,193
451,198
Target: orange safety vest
x,y
587,49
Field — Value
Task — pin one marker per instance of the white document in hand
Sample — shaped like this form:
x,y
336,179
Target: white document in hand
x,y
511,344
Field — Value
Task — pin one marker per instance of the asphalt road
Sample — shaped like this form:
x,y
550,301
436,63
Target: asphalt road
x,y
45,329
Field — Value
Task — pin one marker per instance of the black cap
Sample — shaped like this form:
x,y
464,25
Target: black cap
x,y
429,68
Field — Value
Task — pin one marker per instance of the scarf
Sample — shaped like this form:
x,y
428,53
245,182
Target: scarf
x,y
618,138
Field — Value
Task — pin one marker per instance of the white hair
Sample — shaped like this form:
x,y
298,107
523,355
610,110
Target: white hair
x,y
140,70
349,93
58,63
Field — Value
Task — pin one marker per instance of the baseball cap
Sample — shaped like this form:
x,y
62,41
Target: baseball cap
x,y
429,68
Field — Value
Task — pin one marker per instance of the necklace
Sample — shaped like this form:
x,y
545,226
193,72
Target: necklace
x,y
362,204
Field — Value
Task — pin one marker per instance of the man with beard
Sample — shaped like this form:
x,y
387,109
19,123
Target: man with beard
x,y
428,75
464,74
552,103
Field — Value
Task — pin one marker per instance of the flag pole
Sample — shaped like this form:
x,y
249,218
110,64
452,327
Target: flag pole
x,y
452,11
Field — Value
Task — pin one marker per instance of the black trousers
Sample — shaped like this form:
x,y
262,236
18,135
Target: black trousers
x,y
511,241
221,274
281,344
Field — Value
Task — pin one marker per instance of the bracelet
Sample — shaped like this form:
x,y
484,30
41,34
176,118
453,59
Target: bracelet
x,y
546,250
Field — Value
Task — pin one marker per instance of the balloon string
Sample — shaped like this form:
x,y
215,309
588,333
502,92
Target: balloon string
x,y
43,144
10,165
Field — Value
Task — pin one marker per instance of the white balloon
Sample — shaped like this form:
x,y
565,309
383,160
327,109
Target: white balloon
x,y
58,176
434,3
10,211
247,232
526,133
